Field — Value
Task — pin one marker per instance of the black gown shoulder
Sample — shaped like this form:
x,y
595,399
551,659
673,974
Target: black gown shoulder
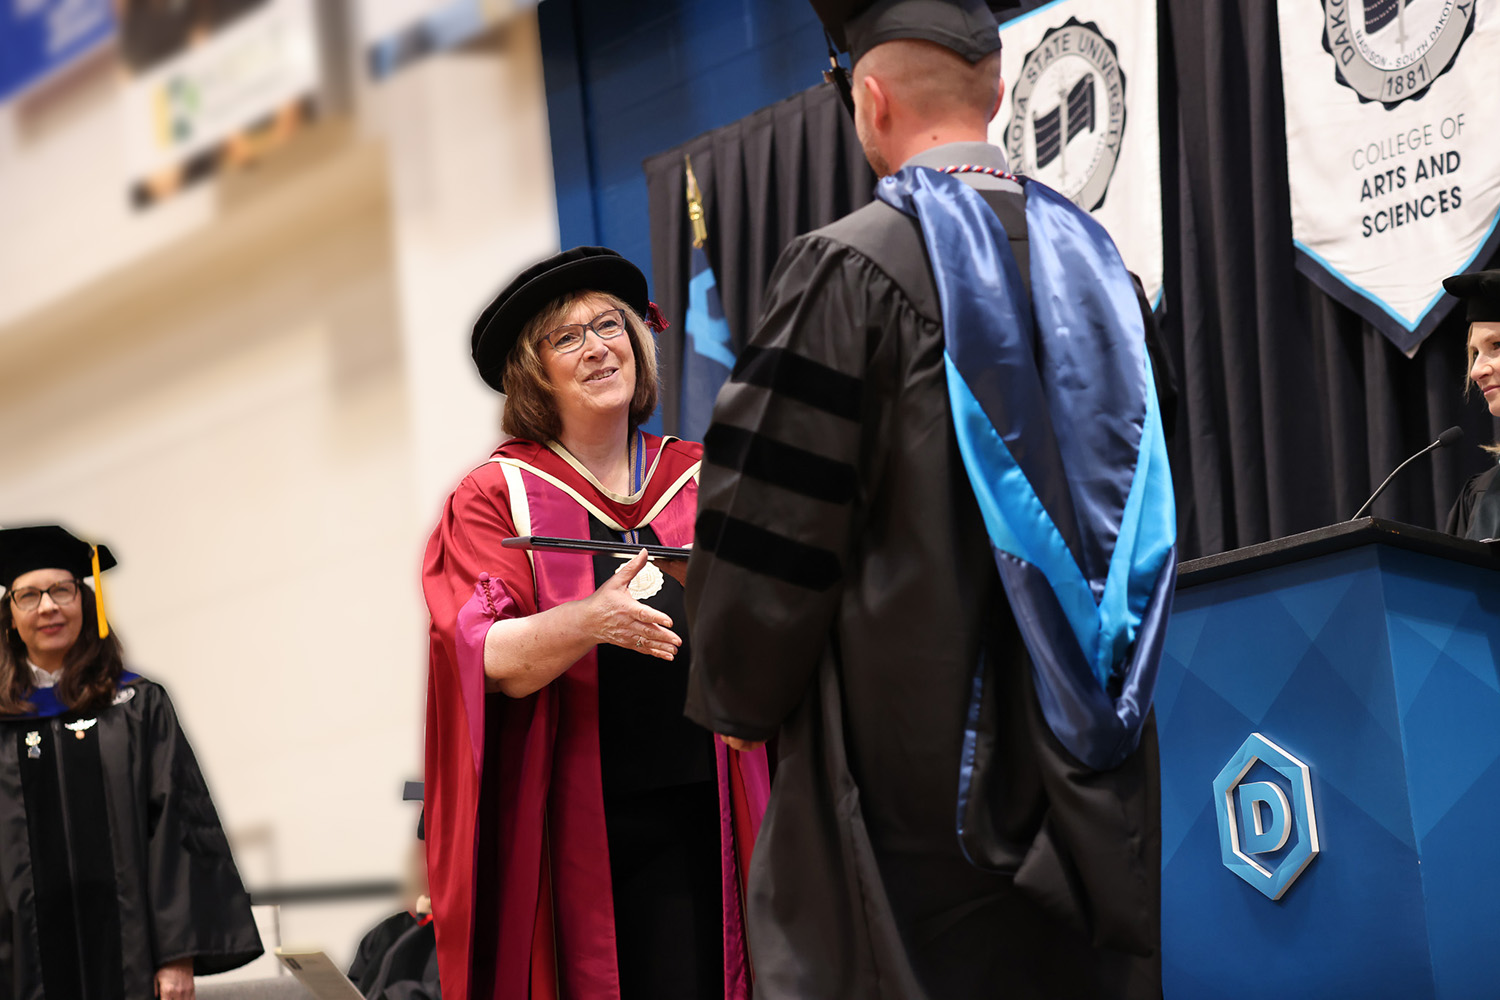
x,y
1461,517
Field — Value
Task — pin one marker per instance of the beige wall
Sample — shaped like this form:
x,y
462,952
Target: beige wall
x,y
259,398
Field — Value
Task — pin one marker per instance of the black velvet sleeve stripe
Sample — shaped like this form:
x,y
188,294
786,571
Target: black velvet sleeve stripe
x,y
800,378
760,551
779,464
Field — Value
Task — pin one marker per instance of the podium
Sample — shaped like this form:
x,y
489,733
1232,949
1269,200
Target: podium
x,y
1329,715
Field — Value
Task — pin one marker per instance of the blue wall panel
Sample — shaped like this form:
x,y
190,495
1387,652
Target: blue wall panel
x,y
627,79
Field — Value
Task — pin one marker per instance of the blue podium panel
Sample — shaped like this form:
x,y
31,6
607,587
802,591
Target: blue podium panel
x,y
1375,667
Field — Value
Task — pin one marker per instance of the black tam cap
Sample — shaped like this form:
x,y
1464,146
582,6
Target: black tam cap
x,y
967,27
47,546
412,792
581,269
1480,291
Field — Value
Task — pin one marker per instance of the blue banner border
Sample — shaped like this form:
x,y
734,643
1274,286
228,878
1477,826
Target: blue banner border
x,y
1374,310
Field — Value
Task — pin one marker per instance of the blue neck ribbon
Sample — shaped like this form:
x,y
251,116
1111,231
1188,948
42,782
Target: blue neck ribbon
x,y
637,478
1059,428
45,703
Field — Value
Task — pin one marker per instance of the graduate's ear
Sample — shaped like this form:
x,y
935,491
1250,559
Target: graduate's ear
x,y
878,99
999,99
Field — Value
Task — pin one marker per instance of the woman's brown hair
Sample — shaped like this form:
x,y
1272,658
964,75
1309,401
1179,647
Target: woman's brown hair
x,y
91,669
530,409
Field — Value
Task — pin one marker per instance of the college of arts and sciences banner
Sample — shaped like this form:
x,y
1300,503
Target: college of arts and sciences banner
x,y
1080,115
1393,150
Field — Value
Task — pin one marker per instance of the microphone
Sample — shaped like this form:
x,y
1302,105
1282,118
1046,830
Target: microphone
x,y
1450,436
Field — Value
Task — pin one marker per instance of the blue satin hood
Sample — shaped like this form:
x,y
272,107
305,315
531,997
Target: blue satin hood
x,y
1057,420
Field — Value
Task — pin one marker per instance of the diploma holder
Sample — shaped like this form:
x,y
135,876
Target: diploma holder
x,y
542,543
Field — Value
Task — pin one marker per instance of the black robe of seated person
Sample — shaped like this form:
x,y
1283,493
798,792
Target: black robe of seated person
x,y
1476,512
397,960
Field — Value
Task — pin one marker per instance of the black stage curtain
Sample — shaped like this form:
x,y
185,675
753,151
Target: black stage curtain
x,y
769,177
1291,409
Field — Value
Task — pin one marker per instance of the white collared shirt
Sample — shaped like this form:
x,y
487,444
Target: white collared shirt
x,y
41,678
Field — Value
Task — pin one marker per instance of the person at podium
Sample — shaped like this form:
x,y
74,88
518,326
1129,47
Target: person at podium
x,y
583,838
1476,514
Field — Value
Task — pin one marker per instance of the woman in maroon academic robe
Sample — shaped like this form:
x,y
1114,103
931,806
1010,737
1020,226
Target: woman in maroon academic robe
x,y
584,839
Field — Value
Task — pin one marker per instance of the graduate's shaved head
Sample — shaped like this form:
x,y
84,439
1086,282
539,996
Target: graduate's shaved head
x,y
934,83
911,95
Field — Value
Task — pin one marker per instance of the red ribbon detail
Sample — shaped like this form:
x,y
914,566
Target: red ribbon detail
x,y
655,319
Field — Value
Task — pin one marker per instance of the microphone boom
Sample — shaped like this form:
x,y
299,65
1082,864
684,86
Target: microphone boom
x,y
1450,436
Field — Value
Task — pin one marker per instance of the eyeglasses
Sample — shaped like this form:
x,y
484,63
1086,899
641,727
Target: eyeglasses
x,y
606,326
62,595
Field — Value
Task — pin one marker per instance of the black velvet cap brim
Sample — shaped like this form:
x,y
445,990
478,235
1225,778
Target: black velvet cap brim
x,y
581,269
967,27
1480,291
47,546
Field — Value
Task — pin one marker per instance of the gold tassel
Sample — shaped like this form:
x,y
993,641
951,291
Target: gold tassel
x,y
695,206
99,596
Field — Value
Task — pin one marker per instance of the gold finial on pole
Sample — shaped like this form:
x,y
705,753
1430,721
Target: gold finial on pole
x,y
695,206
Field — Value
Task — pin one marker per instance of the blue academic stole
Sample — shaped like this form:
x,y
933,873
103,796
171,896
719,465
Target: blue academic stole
x,y
1059,428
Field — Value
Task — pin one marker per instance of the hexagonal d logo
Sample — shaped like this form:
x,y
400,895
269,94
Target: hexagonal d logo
x,y
1258,818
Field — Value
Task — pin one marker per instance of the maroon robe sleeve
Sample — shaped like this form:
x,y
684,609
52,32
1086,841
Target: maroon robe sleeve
x,y
470,582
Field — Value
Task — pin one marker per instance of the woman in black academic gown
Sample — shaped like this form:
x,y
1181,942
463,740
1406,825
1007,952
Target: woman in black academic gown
x,y
116,882
1477,513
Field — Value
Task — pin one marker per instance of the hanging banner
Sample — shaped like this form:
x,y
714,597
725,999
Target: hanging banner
x,y
222,100
398,33
40,38
1392,155
1080,115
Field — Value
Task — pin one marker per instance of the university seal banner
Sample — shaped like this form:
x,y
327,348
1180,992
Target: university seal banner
x,y
1392,151
1080,115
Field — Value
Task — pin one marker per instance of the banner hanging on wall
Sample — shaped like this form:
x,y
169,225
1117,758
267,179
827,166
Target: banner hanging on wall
x,y
218,98
40,38
1393,155
399,33
1080,115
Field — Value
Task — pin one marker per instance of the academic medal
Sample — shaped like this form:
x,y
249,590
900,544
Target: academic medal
x,y
79,726
647,583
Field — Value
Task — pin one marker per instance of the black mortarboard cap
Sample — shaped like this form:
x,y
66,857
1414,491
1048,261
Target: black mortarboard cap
x,y
50,546
967,27
412,792
581,269
47,546
1480,291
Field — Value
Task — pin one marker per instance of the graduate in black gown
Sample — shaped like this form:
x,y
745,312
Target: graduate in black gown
x,y
1476,514
931,835
116,881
